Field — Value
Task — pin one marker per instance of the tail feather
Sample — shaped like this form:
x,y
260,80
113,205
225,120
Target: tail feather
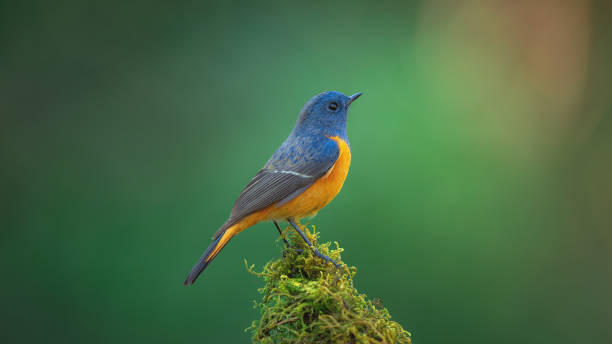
x,y
208,255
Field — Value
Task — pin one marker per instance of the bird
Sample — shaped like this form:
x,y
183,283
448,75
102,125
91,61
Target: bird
x,y
303,175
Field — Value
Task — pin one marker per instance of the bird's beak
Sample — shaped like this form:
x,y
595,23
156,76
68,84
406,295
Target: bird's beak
x,y
353,97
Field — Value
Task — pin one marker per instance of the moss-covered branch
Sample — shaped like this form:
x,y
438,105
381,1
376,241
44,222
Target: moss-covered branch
x,y
306,300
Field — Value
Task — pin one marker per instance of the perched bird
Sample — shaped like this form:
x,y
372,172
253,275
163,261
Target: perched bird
x,y
304,174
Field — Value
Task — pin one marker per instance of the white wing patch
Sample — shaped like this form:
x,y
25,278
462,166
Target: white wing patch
x,y
292,172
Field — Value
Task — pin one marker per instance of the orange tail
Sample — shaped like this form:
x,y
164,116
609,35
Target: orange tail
x,y
210,254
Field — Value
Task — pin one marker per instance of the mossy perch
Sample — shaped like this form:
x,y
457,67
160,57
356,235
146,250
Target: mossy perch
x,y
306,300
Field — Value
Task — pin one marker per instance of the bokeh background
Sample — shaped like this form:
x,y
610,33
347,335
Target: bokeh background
x,y
478,206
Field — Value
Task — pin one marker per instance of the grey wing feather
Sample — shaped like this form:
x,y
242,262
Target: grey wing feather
x,y
276,186
268,188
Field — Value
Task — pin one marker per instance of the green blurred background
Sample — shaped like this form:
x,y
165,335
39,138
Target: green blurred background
x,y
478,206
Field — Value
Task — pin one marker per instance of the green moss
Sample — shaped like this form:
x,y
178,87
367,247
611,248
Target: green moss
x,y
305,300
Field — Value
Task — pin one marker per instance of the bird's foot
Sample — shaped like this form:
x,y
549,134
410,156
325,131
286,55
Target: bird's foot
x,y
315,251
324,257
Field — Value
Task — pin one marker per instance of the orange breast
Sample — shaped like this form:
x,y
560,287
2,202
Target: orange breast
x,y
309,202
321,192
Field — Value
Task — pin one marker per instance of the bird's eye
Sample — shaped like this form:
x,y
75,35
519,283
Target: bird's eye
x,y
333,106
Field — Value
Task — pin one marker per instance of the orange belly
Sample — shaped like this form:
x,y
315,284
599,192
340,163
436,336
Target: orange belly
x,y
313,199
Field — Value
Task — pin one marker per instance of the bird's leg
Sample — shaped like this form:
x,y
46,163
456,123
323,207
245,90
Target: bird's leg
x,y
314,249
281,233
299,250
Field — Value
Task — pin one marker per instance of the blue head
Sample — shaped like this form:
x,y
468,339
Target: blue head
x,y
325,114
